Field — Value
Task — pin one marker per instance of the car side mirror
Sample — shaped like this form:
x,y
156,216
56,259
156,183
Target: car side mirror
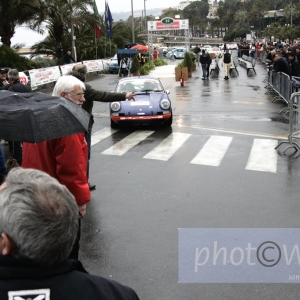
x,y
167,92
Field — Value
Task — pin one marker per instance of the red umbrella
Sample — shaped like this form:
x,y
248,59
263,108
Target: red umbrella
x,y
140,47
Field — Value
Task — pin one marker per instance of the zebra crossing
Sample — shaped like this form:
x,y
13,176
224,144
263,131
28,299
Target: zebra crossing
x,y
262,156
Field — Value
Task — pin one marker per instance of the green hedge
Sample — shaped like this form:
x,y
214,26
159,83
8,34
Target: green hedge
x,y
10,59
160,62
147,67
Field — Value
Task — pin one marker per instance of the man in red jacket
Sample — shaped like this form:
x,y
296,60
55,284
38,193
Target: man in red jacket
x,y
64,158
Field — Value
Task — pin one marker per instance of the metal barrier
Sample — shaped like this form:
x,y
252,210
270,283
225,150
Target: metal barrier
x,y
263,57
294,125
286,89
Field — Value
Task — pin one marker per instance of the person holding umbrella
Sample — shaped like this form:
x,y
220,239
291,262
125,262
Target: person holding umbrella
x,y
80,71
15,147
64,158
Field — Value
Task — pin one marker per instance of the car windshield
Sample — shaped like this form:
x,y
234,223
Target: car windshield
x,y
139,85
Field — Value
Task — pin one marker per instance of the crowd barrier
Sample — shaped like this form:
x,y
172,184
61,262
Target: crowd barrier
x,y
38,77
286,90
294,127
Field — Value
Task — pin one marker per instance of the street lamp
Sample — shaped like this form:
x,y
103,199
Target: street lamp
x,y
133,39
73,38
145,17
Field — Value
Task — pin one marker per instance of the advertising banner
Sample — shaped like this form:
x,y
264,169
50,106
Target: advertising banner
x,y
93,65
168,24
65,69
43,76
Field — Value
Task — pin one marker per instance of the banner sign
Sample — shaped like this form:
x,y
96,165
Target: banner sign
x,y
168,24
106,63
93,65
43,76
65,69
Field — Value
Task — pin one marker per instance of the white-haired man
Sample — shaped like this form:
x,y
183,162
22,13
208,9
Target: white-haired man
x,y
38,225
64,158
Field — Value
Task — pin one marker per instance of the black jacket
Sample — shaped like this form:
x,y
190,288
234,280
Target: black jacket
x,y
68,58
19,88
92,95
16,87
62,282
281,65
227,58
294,68
204,59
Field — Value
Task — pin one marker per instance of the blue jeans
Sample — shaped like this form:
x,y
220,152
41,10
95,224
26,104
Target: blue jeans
x,y
204,70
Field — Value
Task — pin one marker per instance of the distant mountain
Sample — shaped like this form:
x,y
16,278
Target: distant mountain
x,y
117,16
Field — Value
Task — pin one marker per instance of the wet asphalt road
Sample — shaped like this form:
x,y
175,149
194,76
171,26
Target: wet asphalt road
x,y
130,233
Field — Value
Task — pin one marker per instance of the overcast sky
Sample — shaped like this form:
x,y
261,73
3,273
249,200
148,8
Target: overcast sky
x,y
125,5
29,37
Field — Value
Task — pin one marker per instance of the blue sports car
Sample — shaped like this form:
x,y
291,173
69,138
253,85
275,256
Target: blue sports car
x,y
152,103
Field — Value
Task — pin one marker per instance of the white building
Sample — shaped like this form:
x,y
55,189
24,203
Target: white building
x,y
185,3
213,6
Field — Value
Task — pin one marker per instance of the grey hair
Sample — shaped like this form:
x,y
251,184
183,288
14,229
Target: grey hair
x,y
13,74
39,215
66,84
80,68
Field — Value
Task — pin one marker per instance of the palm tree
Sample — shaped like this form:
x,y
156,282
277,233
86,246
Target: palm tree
x,y
58,17
122,33
14,13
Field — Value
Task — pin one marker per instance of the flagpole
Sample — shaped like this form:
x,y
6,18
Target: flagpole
x,y
133,39
96,44
109,48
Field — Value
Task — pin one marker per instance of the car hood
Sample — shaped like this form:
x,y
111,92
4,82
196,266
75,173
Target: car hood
x,y
144,104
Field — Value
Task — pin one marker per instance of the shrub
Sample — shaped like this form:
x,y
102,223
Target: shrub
x,y
42,62
135,65
147,67
180,65
187,61
9,58
160,62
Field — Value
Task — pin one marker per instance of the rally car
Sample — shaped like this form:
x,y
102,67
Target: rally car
x,y
151,105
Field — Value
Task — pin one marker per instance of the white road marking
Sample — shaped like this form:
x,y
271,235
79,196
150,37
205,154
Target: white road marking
x,y
263,156
102,134
213,151
168,146
127,143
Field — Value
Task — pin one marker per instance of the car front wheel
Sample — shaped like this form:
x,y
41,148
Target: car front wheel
x,y
169,122
113,124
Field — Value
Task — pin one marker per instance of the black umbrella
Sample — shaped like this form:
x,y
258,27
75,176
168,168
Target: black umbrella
x,y
37,117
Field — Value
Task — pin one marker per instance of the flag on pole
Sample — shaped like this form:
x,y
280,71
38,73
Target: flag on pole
x,y
97,26
108,20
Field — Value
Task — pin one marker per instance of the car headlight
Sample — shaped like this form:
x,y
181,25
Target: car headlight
x,y
115,106
165,104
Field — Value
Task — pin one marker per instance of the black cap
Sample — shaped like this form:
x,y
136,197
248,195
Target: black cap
x,y
3,70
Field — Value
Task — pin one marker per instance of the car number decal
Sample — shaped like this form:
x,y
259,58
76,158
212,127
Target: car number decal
x,y
139,103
